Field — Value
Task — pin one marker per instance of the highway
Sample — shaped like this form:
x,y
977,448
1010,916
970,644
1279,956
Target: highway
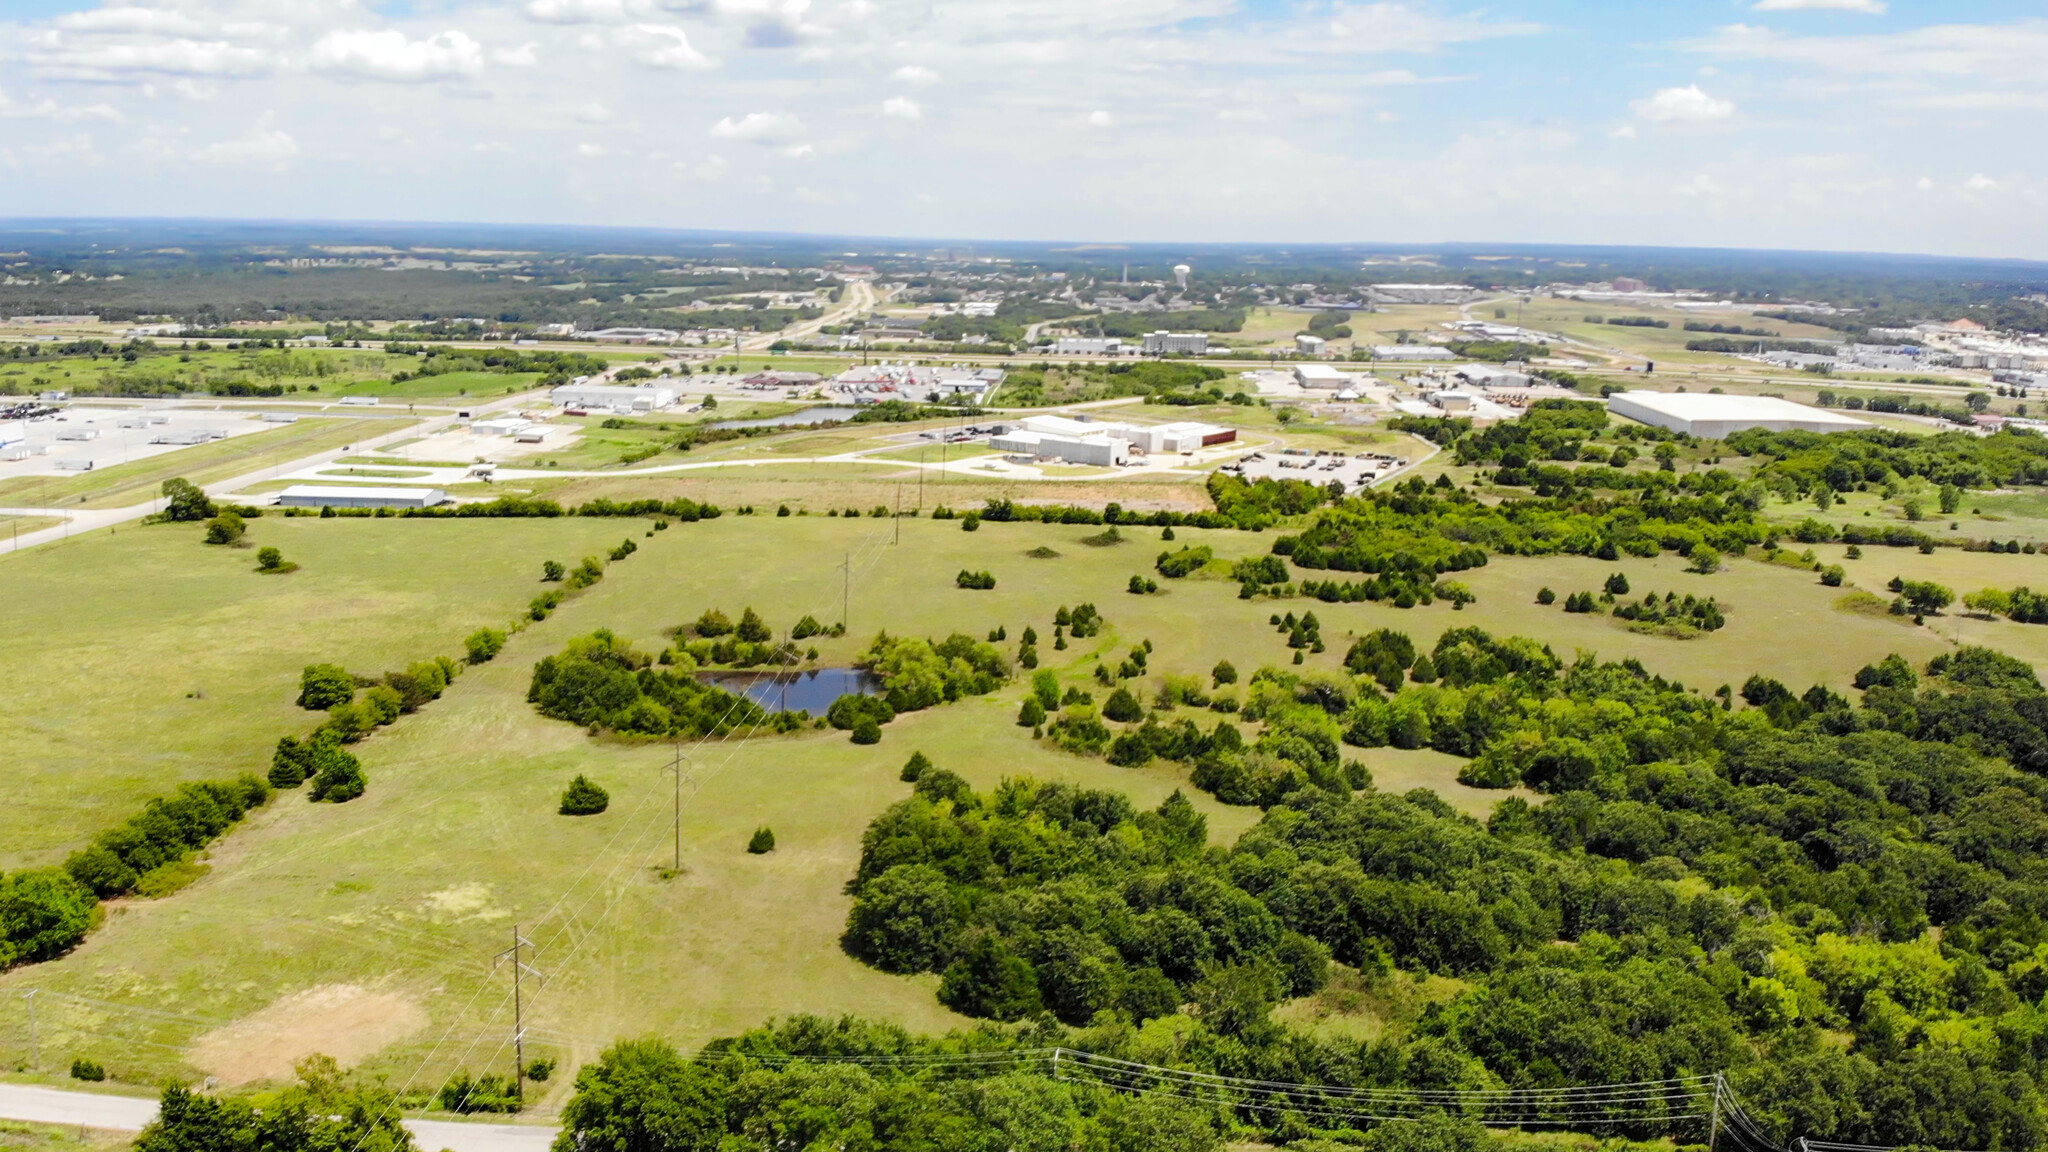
x,y
129,1113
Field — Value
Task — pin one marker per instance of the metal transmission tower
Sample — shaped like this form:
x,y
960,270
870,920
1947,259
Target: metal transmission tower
x,y
520,971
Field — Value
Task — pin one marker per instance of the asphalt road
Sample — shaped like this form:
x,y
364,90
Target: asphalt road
x,y
130,1113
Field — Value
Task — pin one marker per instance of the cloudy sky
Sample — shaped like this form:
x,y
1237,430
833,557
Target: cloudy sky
x,y
1881,125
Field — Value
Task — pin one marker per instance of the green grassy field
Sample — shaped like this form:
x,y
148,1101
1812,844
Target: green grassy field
x,y
447,386
168,660
140,480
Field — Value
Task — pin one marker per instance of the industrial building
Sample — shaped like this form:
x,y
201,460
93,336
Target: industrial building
x,y
1104,444
1094,448
619,397
1163,342
1422,293
633,335
1309,345
1088,346
1411,352
336,496
1320,376
1713,417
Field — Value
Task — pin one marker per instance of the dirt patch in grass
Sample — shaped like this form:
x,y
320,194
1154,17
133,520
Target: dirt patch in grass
x,y
346,1021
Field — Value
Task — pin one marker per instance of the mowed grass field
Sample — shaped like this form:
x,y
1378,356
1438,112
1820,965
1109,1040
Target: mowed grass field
x,y
394,903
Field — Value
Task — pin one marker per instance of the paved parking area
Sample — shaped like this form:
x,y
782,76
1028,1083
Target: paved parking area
x,y
1356,470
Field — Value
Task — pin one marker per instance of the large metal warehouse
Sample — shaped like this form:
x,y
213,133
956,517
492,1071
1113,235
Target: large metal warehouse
x,y
1712,417
337,496
620,397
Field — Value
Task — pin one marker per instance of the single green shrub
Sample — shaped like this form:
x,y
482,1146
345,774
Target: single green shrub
x,y
582,798
762,841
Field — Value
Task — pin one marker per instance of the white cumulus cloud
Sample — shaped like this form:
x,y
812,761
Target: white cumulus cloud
x,y
902,108
662,46
594,113
1683,105
1100,119
524,56
759,127
583,11
265,146
914,74
390,55
1868,7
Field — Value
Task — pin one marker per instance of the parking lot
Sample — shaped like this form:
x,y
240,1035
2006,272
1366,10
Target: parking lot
x,y
79,439
1355,470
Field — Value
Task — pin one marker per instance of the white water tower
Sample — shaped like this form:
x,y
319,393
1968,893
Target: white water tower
x,y
1180,275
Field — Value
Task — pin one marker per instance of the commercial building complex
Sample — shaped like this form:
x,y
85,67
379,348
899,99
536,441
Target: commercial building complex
x,y
1712,417
1320,376
1104,444
1088,346
619,397
339,496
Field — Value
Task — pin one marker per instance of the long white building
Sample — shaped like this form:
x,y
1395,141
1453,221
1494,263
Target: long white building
x,y
622,397
1713,417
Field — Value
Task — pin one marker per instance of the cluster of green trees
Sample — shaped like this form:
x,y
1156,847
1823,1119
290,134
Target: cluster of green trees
x,y
1189,560
755,1092
600,681
1672,615
748,644
1737,890
1416,529
324,1111
1881,458
332,689
554,367
2019,604
1548,430
978,581
917,673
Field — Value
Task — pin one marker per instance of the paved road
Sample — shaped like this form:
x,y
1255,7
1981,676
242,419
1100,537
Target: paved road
x,y
130,1113
87,519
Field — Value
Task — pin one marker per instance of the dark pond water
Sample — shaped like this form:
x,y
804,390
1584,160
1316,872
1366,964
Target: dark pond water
x,y
811,691
806,416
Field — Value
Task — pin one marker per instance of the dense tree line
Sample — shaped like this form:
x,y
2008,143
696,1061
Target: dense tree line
x,y
1413,527
1851,461
45,912
1704,888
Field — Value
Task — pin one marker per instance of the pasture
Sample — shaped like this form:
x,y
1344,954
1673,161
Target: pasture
x,y
367,928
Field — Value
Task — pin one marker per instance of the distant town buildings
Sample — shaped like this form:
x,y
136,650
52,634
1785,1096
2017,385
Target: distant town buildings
x,y
1422,293
1320,376
1309,345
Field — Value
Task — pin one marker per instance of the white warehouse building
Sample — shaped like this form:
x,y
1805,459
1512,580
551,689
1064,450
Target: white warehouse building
x,y
350,496
1105,444
1713,417
1162,341
619,396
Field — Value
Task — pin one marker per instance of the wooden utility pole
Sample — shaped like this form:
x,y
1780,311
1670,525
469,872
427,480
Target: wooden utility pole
x,y
676,767
35,1049
1714,1120
520,971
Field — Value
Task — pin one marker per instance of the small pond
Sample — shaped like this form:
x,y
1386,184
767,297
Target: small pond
x,y
812,690
805,416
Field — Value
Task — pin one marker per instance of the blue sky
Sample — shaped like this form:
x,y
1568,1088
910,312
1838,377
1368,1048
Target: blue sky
x,y
1877,125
